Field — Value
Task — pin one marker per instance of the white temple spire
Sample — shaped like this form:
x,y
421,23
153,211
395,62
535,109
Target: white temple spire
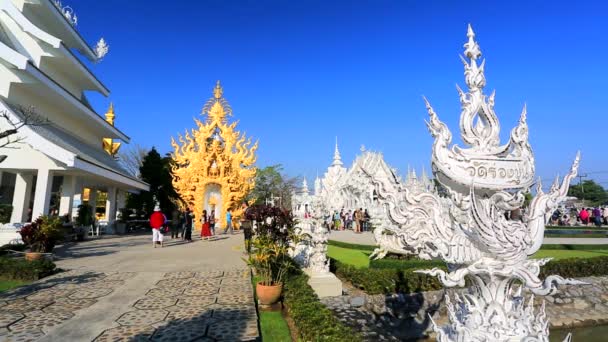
x,y
337,158
305,186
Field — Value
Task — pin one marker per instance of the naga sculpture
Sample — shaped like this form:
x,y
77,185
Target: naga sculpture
x,y
468,229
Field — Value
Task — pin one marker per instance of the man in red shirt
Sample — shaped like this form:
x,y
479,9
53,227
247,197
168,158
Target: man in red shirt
x,y
157,221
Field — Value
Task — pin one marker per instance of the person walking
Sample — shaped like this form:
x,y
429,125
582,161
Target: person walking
x,y
605,215
175,220
205,230
597,217
228,222
157,222
584,216
189,217
247,226
357,218
366,219
212,221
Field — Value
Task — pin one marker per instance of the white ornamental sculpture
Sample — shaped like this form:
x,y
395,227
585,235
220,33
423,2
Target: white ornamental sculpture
x,y
468,229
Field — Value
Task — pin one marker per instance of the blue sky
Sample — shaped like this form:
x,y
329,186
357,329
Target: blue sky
x,y
300,73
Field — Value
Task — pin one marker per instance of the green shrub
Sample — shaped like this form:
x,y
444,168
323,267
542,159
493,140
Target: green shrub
x,y
314,321
385,280
576,267
351,245
19,269
5,213
575,247
405,264
19,247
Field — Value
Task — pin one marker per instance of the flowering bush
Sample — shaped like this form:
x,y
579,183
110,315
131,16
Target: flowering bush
x,y
273,234
42,234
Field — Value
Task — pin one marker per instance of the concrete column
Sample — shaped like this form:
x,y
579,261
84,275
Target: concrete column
x,y
121,199
21,197
93,201
42,196
77,196
111,205
67,194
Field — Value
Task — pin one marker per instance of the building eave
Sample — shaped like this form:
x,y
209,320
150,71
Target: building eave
x,y
48,81
99,170
85,48
85,70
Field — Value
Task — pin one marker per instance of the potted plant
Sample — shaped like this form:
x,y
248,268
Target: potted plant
x,y
41,236
84,220
270,257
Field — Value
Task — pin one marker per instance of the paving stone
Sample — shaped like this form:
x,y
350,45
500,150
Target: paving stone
x,y
8,318
201,291
90,293
234,312
142,317
235,298
236,281
188,313
165,292
210,274
179,275
120,276
238,273
234,330
173,283
205,282
21,336
196,301
69,304
183,331
40,320
105,284
149,303
22,305
127,333
50,294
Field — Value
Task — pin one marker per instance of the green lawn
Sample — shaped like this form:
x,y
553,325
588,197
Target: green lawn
x,y
6,285
360,257
565,254
272,323
355,257
274,327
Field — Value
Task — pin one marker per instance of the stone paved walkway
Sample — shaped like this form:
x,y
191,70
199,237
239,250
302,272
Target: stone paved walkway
x,y
208,297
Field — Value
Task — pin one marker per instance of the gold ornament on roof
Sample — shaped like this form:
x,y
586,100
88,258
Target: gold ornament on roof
x,y
212,156
108,144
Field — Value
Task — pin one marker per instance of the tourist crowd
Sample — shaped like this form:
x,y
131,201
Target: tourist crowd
x,y
357,220
597,216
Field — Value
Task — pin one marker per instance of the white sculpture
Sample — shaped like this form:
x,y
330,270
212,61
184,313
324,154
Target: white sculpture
x,y
468,228
101,49
67,12
318,262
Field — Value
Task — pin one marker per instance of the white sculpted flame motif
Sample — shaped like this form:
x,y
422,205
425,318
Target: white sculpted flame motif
x,y
468,229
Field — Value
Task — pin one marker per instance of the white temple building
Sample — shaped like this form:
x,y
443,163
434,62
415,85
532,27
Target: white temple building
x,y
57,163
354,187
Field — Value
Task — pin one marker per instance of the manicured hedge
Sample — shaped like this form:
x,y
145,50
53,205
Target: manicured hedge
x,y
405,264
351,245
5,250
19,269
576,267
314,321
385,280
575,247
400,280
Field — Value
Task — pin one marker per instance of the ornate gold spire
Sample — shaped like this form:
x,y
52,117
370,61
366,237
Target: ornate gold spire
x,y
214,162
108,144
110,114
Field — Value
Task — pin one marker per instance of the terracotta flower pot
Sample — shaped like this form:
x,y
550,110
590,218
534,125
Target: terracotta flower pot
x,y
33,256
268,294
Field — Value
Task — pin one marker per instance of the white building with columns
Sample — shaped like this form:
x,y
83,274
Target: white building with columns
x,y
57,162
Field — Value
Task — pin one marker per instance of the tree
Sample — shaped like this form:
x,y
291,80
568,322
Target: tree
x,y
11,126
590,191
132,159
269,183
156,171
